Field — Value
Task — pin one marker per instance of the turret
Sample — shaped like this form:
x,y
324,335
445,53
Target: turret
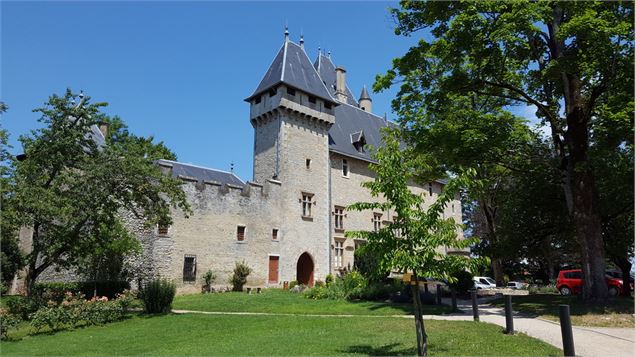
x,y
365,103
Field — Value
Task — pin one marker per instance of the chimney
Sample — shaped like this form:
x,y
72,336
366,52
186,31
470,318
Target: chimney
x,y
340,84
103,127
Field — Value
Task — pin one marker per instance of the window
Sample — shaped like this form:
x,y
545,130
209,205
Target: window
x,y
339,217
307,202
327,105
376,222
258,99
274,234
273,92
163,229
339,253
311,99
308,163
240,233
189,268
430,189
344,167
290,91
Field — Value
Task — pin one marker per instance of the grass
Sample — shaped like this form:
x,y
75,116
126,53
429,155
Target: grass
x,y
618,312
281,301
192,334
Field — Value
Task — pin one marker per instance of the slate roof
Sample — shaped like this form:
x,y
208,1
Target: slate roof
x,y
202,173
293,67
326,68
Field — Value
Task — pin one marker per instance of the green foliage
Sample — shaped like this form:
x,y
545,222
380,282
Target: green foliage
x,y
351,286
367,263
209,277
411,242
21,306
329,279
543,289
293,284
157,296
56,291
462,282
239,278
8,322
74,189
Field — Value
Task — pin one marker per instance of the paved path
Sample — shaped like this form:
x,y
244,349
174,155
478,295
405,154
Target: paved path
x,y
588,341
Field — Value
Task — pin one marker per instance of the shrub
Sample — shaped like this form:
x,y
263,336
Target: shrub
x,y
367,263
543,289
107,288
464,282
209,277
293,284
53,317
329,279
21,306
319,283
380,290
157,296
3,288
8,322
354,284
54,291
350,286
239,279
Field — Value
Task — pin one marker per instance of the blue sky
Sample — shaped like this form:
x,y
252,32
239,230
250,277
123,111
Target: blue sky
x,y
180,71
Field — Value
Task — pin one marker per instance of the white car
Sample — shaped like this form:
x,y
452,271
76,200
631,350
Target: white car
x,y
484,282
516,285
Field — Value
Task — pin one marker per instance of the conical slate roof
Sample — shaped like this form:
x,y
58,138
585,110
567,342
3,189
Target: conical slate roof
x,y
292,67
364,95
326,69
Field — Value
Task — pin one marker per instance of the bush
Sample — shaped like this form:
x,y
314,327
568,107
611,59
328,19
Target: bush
x,y
320,283
464,282
209,277
380,290
21,306
349,287
157,296
239,279
3,288
329,279
293,284
107,288
8,322
367,263
55,291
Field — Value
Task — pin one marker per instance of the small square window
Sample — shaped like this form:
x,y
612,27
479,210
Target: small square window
x,y
308,163
338,212
273,92
258,99
327,105
274,234
290,91
311,99
240,233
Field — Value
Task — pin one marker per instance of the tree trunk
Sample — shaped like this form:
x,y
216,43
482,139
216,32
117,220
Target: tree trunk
x,y
625,266
422,338
585,197
497,270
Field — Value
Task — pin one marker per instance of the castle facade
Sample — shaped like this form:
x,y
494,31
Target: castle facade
x,y
289,222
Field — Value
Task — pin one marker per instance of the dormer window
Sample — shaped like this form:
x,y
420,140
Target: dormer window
x,y
358,140
290,91
273,92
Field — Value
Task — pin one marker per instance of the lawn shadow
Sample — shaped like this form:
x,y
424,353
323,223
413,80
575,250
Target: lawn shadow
x,y
385,350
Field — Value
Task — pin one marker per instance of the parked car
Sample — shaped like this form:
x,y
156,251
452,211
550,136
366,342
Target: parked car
x,y
516,285
571,282
484,282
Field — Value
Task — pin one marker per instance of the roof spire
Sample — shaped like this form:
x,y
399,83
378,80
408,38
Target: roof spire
x,y
329,53
286,33
364,94
302,41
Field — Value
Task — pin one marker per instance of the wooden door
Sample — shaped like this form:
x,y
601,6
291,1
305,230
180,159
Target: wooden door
x,y
273,269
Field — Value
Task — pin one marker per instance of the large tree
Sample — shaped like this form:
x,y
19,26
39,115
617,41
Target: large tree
x,y
73,185
566,59
415,240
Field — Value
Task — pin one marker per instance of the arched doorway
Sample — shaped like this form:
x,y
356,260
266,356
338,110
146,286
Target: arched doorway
x,y
305,269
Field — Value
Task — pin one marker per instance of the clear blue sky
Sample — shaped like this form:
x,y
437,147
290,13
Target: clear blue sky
x,y
180,71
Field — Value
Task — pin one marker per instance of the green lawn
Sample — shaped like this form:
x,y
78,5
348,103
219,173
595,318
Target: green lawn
x,y
616,313
192,334
281,301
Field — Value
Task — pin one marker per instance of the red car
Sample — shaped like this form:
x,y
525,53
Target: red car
x,y
571,282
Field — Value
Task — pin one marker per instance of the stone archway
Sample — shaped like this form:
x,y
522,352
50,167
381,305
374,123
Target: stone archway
x,y
305,269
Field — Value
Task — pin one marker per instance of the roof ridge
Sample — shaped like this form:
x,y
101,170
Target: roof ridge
x,y
284,59
203,167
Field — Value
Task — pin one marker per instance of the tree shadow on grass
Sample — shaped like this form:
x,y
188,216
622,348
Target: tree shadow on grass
x,y
385,350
